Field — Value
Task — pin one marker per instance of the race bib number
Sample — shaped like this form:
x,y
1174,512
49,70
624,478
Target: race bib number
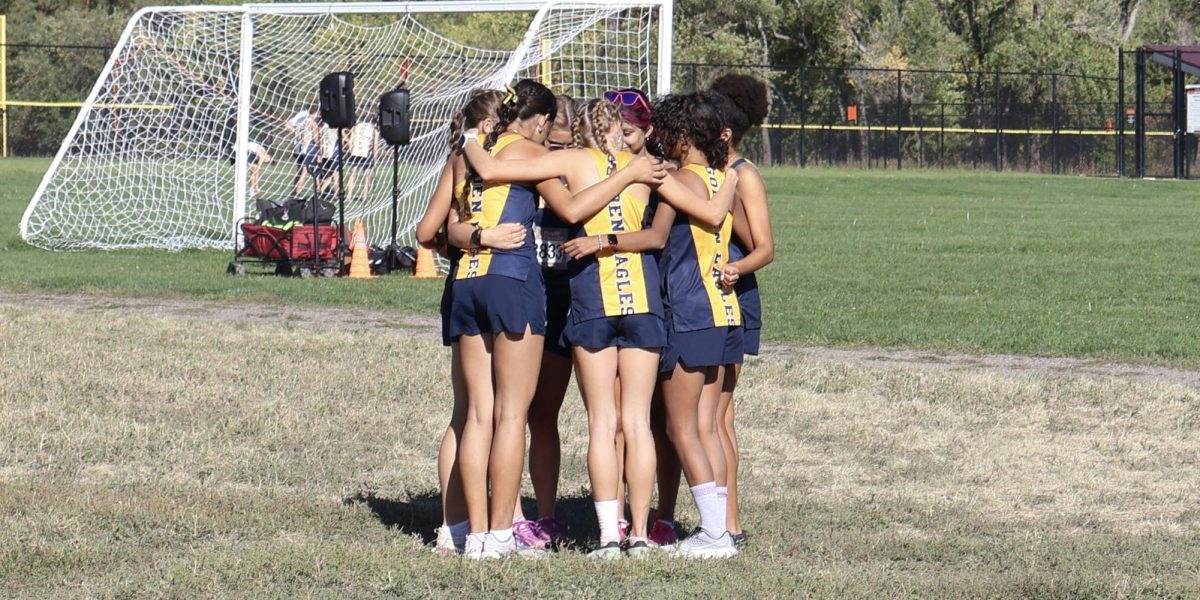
x,y
549,243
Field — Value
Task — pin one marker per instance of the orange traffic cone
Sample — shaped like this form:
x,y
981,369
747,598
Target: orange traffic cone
x,y
425,267
360,262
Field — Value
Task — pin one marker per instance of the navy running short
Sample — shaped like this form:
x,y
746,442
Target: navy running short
x,y
496,304
628,331
708,347
750,341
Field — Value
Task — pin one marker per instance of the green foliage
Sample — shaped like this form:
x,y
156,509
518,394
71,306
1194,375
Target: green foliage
x,y
960,37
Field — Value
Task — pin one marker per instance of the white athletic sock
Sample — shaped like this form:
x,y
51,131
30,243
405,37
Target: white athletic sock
x,y
606,514
477,537
502,535
460,529
711,507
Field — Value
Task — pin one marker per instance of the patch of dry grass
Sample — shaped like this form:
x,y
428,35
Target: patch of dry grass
x,y
145,455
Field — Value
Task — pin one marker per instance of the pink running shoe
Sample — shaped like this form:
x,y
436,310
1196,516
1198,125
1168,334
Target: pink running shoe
x,y
527,532
550,529
622,529
662,533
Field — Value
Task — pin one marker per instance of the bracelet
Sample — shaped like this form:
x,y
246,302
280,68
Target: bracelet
x,y
599,243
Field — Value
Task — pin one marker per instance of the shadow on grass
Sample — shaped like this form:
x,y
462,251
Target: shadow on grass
x,y
421,514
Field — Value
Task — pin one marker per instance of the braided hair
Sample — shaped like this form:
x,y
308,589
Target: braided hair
x,y
593,120
692,119
527,99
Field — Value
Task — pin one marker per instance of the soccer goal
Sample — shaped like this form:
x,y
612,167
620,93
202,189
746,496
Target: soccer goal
x,y
200,110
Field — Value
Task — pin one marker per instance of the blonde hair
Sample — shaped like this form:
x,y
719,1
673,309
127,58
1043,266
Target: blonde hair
x,y
593,120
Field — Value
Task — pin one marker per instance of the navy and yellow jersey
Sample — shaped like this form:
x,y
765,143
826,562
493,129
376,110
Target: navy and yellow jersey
x,y
488,205
692,263
609,283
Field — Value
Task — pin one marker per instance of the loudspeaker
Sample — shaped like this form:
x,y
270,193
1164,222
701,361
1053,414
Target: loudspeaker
x,y
337,100
393,117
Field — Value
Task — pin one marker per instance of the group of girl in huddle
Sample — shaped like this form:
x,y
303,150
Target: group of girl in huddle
x,y
620,239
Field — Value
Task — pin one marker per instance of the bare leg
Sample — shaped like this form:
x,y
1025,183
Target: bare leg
x,y
545,447
475,448
350,181
366,183
733,520
681,395
620,444
596,372
706,420
639,370
515,382
454,508
669,470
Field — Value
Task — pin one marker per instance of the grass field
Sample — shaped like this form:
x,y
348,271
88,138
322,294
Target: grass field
x,y
959,261
148,454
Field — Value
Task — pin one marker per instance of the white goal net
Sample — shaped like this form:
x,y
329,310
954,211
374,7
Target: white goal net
x,y
201,111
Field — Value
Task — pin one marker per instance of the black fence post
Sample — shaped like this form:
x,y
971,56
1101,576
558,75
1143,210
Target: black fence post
x,y
942,137
1120,112
1177,110
1139,142
1054,123
899,141
996,109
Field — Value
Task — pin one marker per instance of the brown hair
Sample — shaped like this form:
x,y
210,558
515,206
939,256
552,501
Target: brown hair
x,y
483,104
527,99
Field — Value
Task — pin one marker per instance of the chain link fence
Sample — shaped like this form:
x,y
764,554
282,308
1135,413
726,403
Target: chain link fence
x,y
902,118
820,115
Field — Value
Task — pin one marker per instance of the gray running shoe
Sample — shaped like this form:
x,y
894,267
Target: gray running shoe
x,y
609,551
702,545
638,548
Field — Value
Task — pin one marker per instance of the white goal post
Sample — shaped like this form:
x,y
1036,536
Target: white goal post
x,y
200,110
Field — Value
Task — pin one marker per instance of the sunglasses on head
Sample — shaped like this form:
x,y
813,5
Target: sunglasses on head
x,y
627,98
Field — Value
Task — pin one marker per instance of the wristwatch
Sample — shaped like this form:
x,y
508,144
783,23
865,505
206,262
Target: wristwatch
x,y
612,241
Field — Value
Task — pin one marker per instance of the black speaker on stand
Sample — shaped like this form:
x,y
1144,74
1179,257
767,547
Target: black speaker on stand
x,y
395,130
337,111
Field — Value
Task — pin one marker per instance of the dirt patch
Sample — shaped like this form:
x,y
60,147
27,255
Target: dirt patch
x,y
293,316
407,324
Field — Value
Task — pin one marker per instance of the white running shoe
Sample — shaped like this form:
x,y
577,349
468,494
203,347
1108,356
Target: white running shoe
x,y
447,544
494,548
702,545
473,548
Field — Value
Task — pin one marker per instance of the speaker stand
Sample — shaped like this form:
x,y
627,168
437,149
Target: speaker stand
x,y
392,256
341,152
